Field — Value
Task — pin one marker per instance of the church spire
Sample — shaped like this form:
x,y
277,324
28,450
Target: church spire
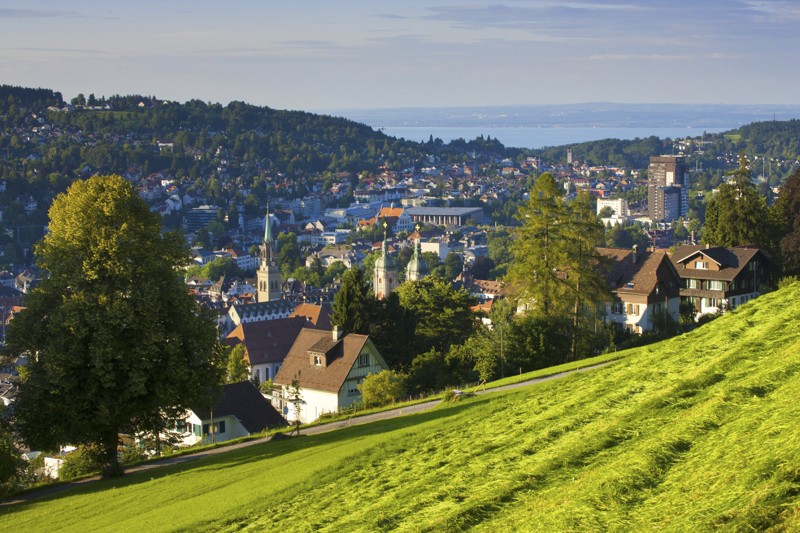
x,y
268,245
268,277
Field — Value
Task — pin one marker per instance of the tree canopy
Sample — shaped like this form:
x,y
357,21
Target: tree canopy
x,y
118,345
738,214
557,271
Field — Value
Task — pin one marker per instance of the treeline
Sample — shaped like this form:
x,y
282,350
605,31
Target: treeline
x,y
24,96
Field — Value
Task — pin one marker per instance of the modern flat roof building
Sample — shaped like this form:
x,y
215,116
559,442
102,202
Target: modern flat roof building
x,y
446,216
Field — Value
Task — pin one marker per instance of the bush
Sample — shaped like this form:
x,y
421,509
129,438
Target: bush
x,y
84,461
382,388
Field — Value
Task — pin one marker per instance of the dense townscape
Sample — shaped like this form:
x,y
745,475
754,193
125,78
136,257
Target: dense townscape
x,y
286,268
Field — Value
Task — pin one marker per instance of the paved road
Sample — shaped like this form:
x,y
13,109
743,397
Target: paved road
x,y
313,430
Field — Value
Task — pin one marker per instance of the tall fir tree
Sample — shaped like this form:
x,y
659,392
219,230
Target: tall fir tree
x,y
738,214
353,304
539,251
787,216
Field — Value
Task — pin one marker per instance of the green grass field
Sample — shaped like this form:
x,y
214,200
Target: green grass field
x,y
696,433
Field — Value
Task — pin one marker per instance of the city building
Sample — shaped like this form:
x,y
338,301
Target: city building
x,y
667,188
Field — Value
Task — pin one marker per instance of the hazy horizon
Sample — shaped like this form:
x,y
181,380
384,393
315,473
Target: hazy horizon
x,y
313,55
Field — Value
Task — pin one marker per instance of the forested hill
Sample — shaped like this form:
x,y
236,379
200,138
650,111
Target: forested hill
x,y
118,133
773,139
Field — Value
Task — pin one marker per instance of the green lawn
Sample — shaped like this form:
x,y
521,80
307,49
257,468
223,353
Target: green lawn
x,y
696,433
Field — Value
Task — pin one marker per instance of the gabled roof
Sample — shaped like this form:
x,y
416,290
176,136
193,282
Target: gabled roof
x,y
249,406
639,277
329,378
731,261
268,341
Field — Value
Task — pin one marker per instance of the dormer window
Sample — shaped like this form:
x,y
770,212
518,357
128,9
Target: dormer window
x,y
317,360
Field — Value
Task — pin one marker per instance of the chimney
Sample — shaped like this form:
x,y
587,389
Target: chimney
x,y
634,254
337,333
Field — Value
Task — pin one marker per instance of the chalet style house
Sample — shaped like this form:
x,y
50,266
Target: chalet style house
x,y
328,366
715,278
240,411
645,285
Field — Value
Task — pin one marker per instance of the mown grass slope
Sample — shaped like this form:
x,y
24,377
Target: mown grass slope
x,y
696,433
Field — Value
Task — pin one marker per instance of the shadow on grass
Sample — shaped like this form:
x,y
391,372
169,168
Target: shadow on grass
x,y
267,450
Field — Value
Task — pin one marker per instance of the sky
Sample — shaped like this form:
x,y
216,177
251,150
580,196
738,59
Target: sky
x,y
319,55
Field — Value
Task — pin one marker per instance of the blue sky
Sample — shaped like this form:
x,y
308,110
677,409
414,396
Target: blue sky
x,y
328,55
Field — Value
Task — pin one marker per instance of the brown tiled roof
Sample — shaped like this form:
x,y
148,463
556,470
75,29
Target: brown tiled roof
x,y
249,406
330,378
731,260
319,315
641,277
268,341
391,212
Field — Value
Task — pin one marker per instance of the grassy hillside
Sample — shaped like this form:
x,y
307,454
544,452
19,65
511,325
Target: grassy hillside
x,y
696,433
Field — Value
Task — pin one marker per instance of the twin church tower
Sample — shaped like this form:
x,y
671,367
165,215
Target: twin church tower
x,y
385,276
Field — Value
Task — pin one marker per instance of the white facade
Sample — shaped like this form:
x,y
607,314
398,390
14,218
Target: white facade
x,y
315,402
619,205
196,430
639,317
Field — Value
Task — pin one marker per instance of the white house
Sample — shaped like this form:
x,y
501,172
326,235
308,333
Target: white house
x,y
646,288
328,367
241,411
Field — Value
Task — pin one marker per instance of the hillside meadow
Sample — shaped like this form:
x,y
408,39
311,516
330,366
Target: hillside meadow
x,y
696,433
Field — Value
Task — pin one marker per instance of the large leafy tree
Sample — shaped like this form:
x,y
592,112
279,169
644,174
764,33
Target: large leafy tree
x,y
117,344
443,315
738,214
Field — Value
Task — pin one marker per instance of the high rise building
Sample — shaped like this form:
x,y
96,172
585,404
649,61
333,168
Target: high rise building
x,y
667,188
268,277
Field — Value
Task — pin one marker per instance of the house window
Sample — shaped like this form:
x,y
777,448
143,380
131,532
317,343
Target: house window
x,y
363,359
715,285
691,283
633,309
618,308
317,360
205,429
703,265
221,426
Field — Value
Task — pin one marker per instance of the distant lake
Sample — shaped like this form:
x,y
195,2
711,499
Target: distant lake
x,y
518,137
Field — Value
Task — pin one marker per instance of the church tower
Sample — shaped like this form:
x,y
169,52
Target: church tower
x,y
417,267
384,280
268,277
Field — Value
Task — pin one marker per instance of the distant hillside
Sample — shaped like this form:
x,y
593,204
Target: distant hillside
x,y
696,433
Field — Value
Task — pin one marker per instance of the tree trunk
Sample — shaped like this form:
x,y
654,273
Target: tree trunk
x,y
111,467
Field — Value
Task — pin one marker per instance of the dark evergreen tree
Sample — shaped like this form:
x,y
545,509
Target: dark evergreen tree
x,y
787,216
738,214
354,303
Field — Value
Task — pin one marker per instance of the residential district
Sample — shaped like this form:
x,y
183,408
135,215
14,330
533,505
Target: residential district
x,y
284,323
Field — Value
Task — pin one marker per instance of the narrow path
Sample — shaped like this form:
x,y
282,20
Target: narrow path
x,y
313,430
